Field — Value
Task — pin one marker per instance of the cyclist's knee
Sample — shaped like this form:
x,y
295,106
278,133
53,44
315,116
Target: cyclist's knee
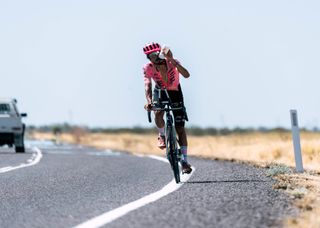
x,y
159,119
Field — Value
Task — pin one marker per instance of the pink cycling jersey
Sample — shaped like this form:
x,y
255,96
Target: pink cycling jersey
x,y
150,72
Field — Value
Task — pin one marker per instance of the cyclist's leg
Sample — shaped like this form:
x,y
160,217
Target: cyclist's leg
x,y
160,125
179,116
183,140
182,136
158,114
159,121
179,120
186,167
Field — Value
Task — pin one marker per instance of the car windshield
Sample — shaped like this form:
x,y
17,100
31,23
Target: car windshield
x,y
4,108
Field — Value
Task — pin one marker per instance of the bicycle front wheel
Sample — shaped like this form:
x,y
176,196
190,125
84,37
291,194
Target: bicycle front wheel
x,y
172,153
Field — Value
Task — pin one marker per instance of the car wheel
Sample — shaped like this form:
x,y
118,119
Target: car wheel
x,y
19,149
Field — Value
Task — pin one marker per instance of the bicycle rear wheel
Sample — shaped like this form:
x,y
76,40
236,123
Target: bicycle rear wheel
x,y
172,153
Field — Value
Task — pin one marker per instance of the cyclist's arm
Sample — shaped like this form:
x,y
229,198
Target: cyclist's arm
x,y
148,92
148,88
183,71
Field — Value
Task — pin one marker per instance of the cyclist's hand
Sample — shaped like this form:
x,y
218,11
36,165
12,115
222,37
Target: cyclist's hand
x,y
169,55
148,107
170,58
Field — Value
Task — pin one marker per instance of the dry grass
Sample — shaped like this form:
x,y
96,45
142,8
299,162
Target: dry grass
x,y
261,149
305,189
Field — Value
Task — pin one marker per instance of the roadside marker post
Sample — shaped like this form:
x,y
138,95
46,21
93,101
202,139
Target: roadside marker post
x,y
296,140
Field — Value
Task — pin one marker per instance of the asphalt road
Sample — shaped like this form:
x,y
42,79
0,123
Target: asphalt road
x,y
71,185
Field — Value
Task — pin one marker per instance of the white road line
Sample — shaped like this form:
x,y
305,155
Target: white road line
x,y
35,158
159,158
123,210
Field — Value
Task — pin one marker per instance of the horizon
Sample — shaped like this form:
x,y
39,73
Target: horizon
x,y
191,127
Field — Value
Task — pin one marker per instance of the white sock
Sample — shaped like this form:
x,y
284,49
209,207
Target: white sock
x,y
184,151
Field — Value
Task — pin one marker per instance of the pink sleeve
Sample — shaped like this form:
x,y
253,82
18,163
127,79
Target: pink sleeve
x,y
147,83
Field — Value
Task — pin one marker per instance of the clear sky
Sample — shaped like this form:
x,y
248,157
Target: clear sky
x,y
81,61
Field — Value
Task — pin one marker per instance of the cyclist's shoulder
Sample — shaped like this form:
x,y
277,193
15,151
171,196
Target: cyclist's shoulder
x,y
148,68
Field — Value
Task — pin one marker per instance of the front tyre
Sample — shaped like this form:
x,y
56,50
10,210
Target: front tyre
x,y
172,153
175,167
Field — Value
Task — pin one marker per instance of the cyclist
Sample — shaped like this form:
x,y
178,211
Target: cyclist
x,y
165,73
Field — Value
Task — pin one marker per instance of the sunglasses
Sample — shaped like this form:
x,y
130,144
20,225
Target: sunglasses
x,y
154,55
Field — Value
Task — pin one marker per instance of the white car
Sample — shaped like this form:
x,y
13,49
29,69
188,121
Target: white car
x,y
11,127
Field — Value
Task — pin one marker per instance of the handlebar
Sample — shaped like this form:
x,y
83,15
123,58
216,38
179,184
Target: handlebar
x,y
149,116
160,109
164,108
166,105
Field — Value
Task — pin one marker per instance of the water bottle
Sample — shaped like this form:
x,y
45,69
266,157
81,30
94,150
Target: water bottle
x,y
164,50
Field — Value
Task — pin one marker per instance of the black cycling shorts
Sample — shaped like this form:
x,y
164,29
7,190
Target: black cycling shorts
x,y
176,97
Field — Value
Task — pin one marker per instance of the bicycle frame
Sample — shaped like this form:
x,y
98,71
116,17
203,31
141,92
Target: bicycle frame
x,y
172,150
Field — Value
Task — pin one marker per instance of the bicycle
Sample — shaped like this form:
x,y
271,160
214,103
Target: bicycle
x,y
173,151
